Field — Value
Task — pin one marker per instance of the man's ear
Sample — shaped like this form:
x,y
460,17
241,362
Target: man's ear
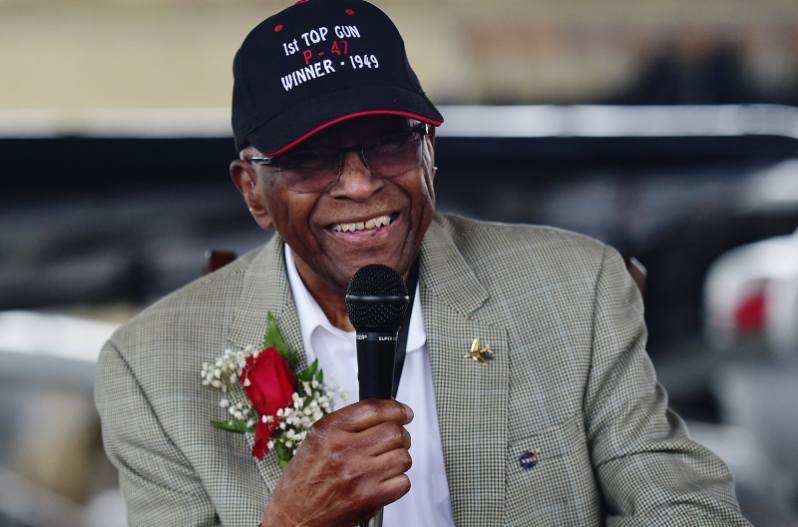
x,y
251,188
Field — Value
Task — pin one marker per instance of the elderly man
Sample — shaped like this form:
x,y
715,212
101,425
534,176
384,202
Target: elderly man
x,y
566,424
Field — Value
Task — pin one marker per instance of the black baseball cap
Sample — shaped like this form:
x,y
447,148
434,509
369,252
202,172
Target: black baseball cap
x,y
315,64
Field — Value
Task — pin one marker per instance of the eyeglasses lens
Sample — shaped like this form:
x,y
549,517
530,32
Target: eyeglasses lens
x,y
314,170
395,155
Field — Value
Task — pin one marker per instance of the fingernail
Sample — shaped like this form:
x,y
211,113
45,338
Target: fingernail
x,y
409,413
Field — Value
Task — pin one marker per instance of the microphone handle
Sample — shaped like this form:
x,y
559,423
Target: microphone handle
x,y
376,352
374,521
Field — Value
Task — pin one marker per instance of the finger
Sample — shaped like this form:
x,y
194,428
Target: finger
x,y
394,488
392,464
384,437
365,414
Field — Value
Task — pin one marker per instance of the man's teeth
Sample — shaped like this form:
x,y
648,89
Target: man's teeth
x,y
373,223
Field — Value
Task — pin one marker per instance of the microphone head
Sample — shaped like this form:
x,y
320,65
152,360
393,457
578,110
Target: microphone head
x,y
376,299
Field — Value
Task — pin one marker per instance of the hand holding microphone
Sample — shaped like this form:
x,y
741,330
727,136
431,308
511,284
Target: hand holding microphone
x,y
353,461
351,464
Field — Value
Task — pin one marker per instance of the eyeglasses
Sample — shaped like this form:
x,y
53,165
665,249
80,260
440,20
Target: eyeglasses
x,y
312,170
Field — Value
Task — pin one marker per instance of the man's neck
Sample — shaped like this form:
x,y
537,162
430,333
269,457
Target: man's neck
x,y
330,298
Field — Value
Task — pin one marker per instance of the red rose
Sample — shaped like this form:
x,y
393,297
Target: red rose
x,y
271,385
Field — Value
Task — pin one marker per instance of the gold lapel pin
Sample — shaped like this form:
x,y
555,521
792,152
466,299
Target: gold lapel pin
x,y
481,354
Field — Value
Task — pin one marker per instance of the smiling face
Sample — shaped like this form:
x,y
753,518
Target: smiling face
x,y
361,219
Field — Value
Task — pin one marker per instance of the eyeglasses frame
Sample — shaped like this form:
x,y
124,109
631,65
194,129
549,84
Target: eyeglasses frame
x,y
422,128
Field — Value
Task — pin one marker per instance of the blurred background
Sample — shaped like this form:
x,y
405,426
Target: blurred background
x,y
664,128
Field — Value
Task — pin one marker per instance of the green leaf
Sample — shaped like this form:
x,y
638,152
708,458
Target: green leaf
x,y
238,427
313,367
273,337
320,376
283,454
307,374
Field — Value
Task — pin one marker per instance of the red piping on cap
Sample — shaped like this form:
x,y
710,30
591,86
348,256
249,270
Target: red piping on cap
x,y
337,120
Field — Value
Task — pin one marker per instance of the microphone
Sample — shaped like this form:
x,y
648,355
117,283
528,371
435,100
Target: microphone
x,y
376,301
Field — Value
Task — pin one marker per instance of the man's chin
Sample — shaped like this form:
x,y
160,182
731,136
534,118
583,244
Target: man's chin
x,y
347,270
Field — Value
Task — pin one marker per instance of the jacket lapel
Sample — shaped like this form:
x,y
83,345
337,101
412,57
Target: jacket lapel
x,y
265,289
471,397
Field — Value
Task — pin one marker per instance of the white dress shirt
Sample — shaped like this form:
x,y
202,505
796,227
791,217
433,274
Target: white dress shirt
x,y
427,503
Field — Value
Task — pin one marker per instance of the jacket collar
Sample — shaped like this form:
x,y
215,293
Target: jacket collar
x,y
445,270
265,289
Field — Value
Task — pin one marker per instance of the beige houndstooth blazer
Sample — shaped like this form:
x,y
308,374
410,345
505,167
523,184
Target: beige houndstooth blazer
x,y
571,379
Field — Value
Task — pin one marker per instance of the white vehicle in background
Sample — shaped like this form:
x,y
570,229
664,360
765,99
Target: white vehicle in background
x,y
751,298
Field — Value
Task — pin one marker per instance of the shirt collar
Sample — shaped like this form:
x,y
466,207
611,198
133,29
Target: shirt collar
x,y
312,317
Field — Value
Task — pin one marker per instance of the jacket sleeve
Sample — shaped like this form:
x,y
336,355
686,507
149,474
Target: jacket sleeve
x,y
156,480
649,470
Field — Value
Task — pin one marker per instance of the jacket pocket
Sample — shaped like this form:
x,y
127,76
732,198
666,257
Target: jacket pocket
x,y
541,475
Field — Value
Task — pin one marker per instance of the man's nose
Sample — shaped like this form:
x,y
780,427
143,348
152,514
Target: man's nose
x,y
356,182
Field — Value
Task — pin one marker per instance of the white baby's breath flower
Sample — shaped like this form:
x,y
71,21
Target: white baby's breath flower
x,y
247,383
224,403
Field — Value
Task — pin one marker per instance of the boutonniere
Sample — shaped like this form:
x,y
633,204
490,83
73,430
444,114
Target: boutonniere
x,y
281,403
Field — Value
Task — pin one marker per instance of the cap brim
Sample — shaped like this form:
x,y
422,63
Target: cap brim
x,y
296,125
